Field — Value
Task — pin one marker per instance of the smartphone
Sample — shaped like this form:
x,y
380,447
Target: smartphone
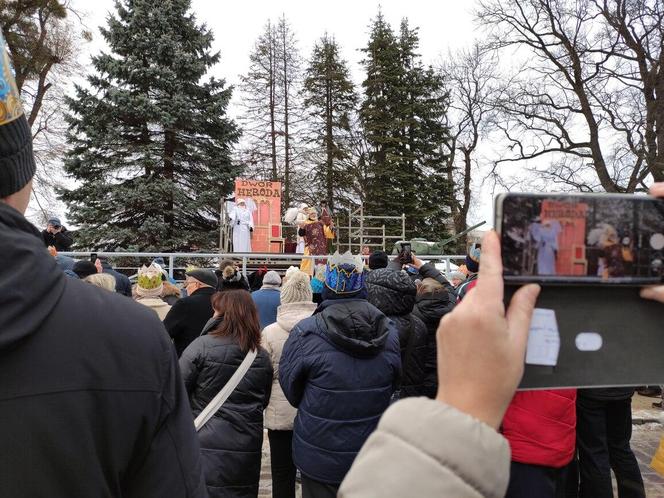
x,y
581,238
405,253
93,257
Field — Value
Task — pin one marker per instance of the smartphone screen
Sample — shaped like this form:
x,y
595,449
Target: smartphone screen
x,y
581,238
93,257
405,254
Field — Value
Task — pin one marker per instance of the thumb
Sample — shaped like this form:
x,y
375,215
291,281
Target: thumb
x,y
520,312
655,293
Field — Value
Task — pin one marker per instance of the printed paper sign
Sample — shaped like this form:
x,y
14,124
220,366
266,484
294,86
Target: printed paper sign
x,y
543,339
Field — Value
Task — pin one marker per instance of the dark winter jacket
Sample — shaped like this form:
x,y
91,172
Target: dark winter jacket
x,y
393,293
339,368
607,393
62,240
92,399
232,439
267,301
186,319
430,307
122,283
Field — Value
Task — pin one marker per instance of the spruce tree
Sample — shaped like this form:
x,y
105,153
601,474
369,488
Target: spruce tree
x,y
329,100
384,193
150,140
403,116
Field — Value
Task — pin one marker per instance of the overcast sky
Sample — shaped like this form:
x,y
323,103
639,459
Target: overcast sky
x,y
443,25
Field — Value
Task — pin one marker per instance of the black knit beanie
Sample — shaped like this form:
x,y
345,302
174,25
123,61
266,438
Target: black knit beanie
x,y
17,162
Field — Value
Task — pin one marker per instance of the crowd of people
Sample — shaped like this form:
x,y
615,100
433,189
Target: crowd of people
x,y
396,384
327,369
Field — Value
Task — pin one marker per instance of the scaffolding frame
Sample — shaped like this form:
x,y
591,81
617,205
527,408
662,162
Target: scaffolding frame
x,y
360,229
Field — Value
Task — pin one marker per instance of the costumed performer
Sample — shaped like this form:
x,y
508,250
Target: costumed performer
x,y
326,218
243,226
315,235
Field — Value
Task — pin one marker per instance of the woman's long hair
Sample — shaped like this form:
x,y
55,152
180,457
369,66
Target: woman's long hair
x,y
239,318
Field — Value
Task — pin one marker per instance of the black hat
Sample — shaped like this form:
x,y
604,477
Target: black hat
x,y
17,161
84,268
378,259
206,277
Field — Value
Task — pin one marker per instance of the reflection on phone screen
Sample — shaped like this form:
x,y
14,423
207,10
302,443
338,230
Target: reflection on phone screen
x,y
591,238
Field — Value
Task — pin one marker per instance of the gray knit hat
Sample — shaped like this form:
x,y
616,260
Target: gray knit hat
x,y
17,161
296,289
271,279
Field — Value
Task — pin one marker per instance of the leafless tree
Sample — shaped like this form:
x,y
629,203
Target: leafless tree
x,y
44,39
587,92
472,79
272,110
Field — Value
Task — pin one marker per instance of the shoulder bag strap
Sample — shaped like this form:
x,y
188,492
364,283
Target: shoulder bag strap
x,y
226,391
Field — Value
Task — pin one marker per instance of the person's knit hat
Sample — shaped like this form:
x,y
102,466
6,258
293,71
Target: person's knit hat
x,y
149,282
458,275
344,274
290,271
55,221
17,161
296,289
204,276
378,259
84,268
473,259
271,279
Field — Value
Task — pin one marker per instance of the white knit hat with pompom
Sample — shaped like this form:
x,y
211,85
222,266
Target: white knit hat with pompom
x,y
296,289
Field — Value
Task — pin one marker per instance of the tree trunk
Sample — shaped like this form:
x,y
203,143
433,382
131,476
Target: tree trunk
x,y
272,103
287,157
329,146
169,169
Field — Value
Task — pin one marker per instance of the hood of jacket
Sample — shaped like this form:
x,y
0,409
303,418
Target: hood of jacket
x,y
288,315
31,280
355,325
431,306
392,292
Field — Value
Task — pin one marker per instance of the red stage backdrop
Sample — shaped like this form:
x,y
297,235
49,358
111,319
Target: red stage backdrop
x,y
571,258
264,200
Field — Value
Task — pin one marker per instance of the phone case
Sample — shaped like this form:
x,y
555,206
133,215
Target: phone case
x,y
631,331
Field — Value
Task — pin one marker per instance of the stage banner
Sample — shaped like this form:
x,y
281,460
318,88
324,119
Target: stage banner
x,y
568,220
264,200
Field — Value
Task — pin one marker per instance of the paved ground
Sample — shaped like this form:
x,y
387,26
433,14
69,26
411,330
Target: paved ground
x,y
645,439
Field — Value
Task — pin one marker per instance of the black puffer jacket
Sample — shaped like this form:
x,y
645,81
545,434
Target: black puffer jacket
x,y
91,395
430,307
393,293
232,440
339,368
186,319
62,240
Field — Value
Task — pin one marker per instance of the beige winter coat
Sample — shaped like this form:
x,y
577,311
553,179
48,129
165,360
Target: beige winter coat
x,y
157,304
279,414
424,448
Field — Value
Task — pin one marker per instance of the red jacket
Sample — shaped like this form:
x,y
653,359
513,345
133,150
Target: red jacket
x,y
541,427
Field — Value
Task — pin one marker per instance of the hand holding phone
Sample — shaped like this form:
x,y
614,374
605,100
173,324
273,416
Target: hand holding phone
x,y
405,254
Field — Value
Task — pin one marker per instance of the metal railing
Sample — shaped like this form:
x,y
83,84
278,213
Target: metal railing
x,y
246,258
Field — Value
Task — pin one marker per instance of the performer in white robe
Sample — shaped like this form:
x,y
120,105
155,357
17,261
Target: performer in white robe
x,y
243,225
